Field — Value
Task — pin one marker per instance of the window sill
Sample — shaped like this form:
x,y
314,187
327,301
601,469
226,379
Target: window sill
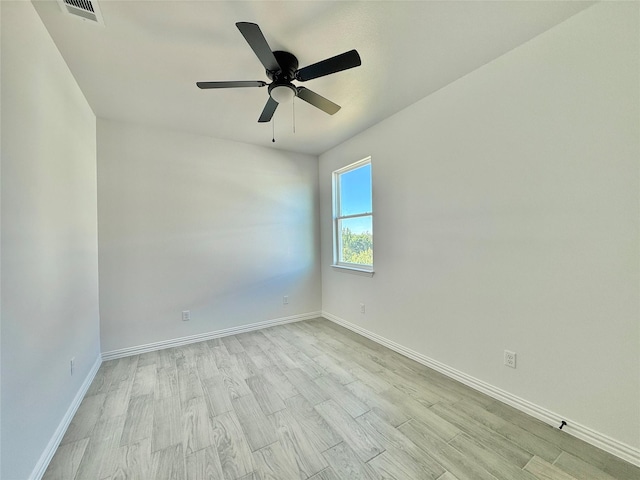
x,y
353,270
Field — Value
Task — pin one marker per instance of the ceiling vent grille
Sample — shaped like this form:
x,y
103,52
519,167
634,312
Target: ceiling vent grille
x,y
85,9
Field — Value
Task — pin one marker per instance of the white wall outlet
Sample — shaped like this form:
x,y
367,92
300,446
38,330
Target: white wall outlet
x,y
362,310
186,315
72,365
285,300
510,359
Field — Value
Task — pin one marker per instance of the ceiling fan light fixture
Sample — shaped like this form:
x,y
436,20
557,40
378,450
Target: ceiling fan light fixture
x,y
283,93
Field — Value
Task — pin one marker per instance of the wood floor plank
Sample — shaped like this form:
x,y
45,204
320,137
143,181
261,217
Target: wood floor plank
x,y
278,342
415,389
189,384
223,358
343,397
438,425
386,410
144,380
317,429
123,372
302,343
363,443
326,474
85,419
134,461
234,384
216,395
166,358
447,456
280,382
401,454
102,449
214,342
306,364
248,339
274,463
232,344
206,366
168,463
496,442
444,386
448,476
147,358
102,380
347,465
370,378
307,388
519,436
281,358
204,465
395,465
579,468
166,382
254,423
489,460
296,440
251,476
167,423
116,403
257,356
65,465
233,450
196,426
138,424
246,367
265,394
543,470
333,369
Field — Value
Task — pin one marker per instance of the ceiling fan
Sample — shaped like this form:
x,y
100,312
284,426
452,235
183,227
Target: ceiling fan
x,y
282,69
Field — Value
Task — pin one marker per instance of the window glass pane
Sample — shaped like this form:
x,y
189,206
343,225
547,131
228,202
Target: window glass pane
x,y
355,191
356,240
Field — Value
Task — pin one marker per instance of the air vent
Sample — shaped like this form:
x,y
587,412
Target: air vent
x,y
85,9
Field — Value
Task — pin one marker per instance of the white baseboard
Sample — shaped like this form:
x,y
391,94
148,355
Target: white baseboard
x,y
52,446
597,439
176,342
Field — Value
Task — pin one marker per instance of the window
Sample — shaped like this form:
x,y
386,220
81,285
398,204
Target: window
x,y
353,217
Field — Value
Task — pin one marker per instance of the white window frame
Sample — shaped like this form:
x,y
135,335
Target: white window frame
x,y
337,238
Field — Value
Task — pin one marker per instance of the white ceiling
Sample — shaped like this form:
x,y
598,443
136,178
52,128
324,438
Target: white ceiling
x,y
143,64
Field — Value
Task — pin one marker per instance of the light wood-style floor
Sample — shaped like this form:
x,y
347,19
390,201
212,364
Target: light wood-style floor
x,y
306,400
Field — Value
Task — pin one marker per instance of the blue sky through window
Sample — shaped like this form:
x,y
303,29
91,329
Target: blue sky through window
x,y
355,197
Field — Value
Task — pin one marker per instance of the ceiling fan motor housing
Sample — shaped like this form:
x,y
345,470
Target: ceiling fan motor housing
x,y
288,67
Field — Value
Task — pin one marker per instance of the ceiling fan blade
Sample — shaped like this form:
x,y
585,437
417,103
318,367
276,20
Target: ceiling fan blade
x,y
257,83
344,61
268,111
317,101
254,37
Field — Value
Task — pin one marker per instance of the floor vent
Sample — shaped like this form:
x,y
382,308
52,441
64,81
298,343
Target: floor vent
x,y
85,9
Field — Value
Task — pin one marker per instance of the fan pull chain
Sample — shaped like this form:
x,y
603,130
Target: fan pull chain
x,y
294,114
273,130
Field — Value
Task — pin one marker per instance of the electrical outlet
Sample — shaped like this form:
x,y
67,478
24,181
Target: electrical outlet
x,y
72,364
510,359
186,315
285,300
362,310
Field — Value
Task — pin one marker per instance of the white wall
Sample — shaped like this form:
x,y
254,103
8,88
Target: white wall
x,y
49,239
506,217
186,222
